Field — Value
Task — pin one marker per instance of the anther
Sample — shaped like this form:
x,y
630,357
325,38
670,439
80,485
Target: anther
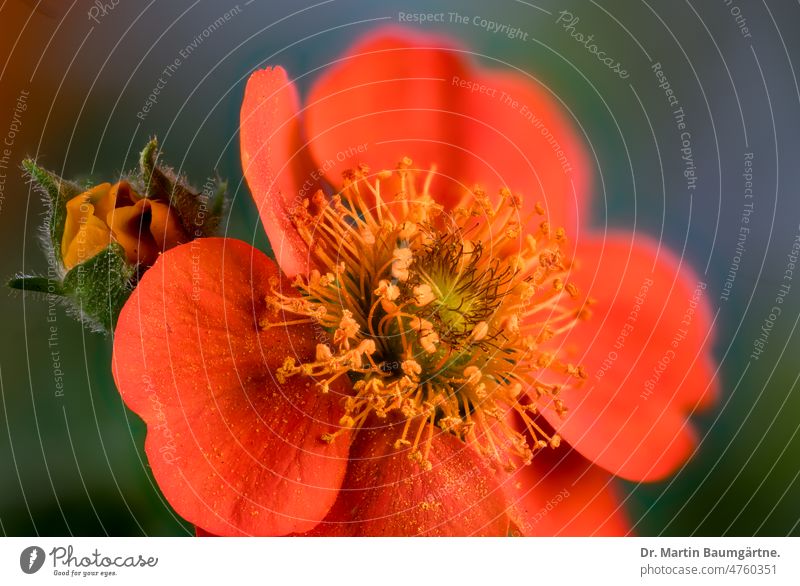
x,y
401,261
411,367
480,331
323,353
473,375
423,295
428,341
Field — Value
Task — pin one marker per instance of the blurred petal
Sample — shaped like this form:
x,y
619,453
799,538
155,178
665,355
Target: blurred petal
x,y
563,494
647,352
400,93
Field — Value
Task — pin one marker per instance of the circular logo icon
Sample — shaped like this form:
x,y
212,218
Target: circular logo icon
x,y
31,559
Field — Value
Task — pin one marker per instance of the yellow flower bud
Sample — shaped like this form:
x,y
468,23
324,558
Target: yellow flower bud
x,y
116,213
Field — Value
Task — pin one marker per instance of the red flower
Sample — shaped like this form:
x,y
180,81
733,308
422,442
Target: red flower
x,y
428,370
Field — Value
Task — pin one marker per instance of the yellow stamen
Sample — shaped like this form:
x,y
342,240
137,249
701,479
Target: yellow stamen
x,y
442,320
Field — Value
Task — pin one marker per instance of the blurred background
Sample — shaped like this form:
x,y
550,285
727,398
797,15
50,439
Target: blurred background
x,y
74,75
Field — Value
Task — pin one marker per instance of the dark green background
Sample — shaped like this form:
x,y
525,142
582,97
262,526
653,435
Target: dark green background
x,y
74,464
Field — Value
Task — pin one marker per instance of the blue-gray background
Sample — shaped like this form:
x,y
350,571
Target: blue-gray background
x,y
73,464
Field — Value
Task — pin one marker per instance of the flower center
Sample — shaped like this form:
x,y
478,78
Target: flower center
x,y
441,319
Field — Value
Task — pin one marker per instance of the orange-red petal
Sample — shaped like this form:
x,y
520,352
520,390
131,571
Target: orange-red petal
x,y
275,162
386,493
563,494
647,353
401,93
234,451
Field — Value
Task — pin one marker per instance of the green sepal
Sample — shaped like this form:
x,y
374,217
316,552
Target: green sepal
x,y
36,284
94,291
100,286
55,192
199,212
